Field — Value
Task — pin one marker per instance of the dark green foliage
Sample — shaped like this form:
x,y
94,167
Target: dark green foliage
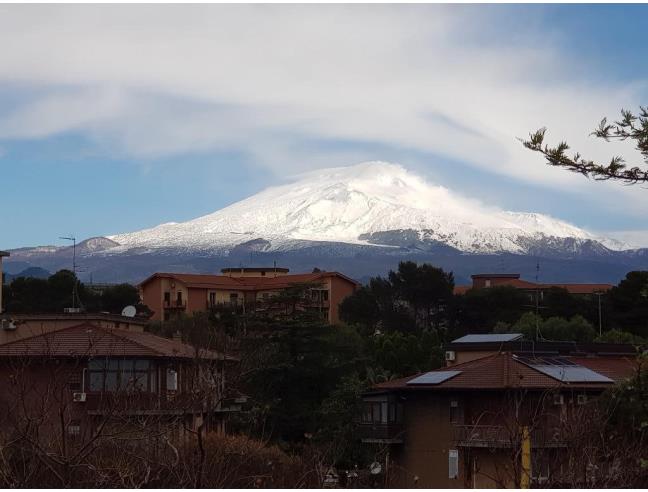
x,y
628,303
399,354
54,294
479,310
414,298
114,298
576,328
616,336
296,367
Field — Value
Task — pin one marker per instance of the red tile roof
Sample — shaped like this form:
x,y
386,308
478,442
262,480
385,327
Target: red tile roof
x,y
502,371
524,284
247,283
88,340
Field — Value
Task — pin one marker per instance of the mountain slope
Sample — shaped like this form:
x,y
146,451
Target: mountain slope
x,y
353,205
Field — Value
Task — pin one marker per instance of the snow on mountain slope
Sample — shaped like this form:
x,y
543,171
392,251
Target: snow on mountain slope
x,y
340,204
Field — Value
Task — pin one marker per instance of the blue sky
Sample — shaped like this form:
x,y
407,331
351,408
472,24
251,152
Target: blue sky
x,y
117,118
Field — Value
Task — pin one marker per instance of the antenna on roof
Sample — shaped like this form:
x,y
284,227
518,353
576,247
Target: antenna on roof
x,y
537,301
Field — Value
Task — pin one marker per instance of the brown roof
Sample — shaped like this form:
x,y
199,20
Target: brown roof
x,y
524,284
502,371
81,317
582,288
88,340
247,283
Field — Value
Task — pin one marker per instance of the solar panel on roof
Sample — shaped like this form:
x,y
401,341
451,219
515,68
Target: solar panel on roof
x,y
564,370
434,377
489,337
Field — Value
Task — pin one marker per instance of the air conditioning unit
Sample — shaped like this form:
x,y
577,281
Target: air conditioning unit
x,y
581,399
78,397
559,399
8,324
450,355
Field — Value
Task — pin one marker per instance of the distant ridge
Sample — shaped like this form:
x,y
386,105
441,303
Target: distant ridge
x,y
360,219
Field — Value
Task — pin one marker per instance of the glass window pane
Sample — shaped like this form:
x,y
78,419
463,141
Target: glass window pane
x,y
140,381
141,364
113,364
153,386
96,381
111,381
96,364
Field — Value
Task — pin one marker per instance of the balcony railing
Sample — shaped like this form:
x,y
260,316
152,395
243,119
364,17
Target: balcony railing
x,y
392,433
145,403
483,436
496,436
175,304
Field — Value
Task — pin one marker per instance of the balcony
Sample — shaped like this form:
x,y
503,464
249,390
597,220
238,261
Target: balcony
x,y
175,304
391,433
496,436
483,436
145,403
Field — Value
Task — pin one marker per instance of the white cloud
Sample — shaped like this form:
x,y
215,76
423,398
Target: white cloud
x,y
162,79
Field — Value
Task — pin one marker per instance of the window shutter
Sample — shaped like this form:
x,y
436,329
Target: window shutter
x,y
453,463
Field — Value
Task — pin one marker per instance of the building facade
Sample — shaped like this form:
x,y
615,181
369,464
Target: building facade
x,y
468,424
84,379
168,294
486,280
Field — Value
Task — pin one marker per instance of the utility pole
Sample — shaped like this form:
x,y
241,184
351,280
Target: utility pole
x,y
599,294
74,288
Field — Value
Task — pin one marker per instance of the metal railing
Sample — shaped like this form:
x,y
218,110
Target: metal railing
x,y
500,436
377,432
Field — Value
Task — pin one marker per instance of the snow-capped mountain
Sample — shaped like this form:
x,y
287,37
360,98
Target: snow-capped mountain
x,y
353,205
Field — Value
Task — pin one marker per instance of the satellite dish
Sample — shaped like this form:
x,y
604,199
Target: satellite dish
x,y
375,468
129,311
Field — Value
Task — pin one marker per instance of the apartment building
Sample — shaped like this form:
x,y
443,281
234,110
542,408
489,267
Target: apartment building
x,y
168,294
466,425
486,280
88,377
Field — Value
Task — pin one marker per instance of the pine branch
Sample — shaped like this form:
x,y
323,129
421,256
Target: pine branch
x,y
630,126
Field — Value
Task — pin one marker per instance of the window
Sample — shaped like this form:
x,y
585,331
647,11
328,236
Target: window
x,y
453,463
74,383
179,298
121,375
382,412
212,298
172,380
487,283
234,298
454,411
167,297
74,428
325,295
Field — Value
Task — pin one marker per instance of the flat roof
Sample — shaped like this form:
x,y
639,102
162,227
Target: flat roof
x,y
489,337
495,275
254,269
